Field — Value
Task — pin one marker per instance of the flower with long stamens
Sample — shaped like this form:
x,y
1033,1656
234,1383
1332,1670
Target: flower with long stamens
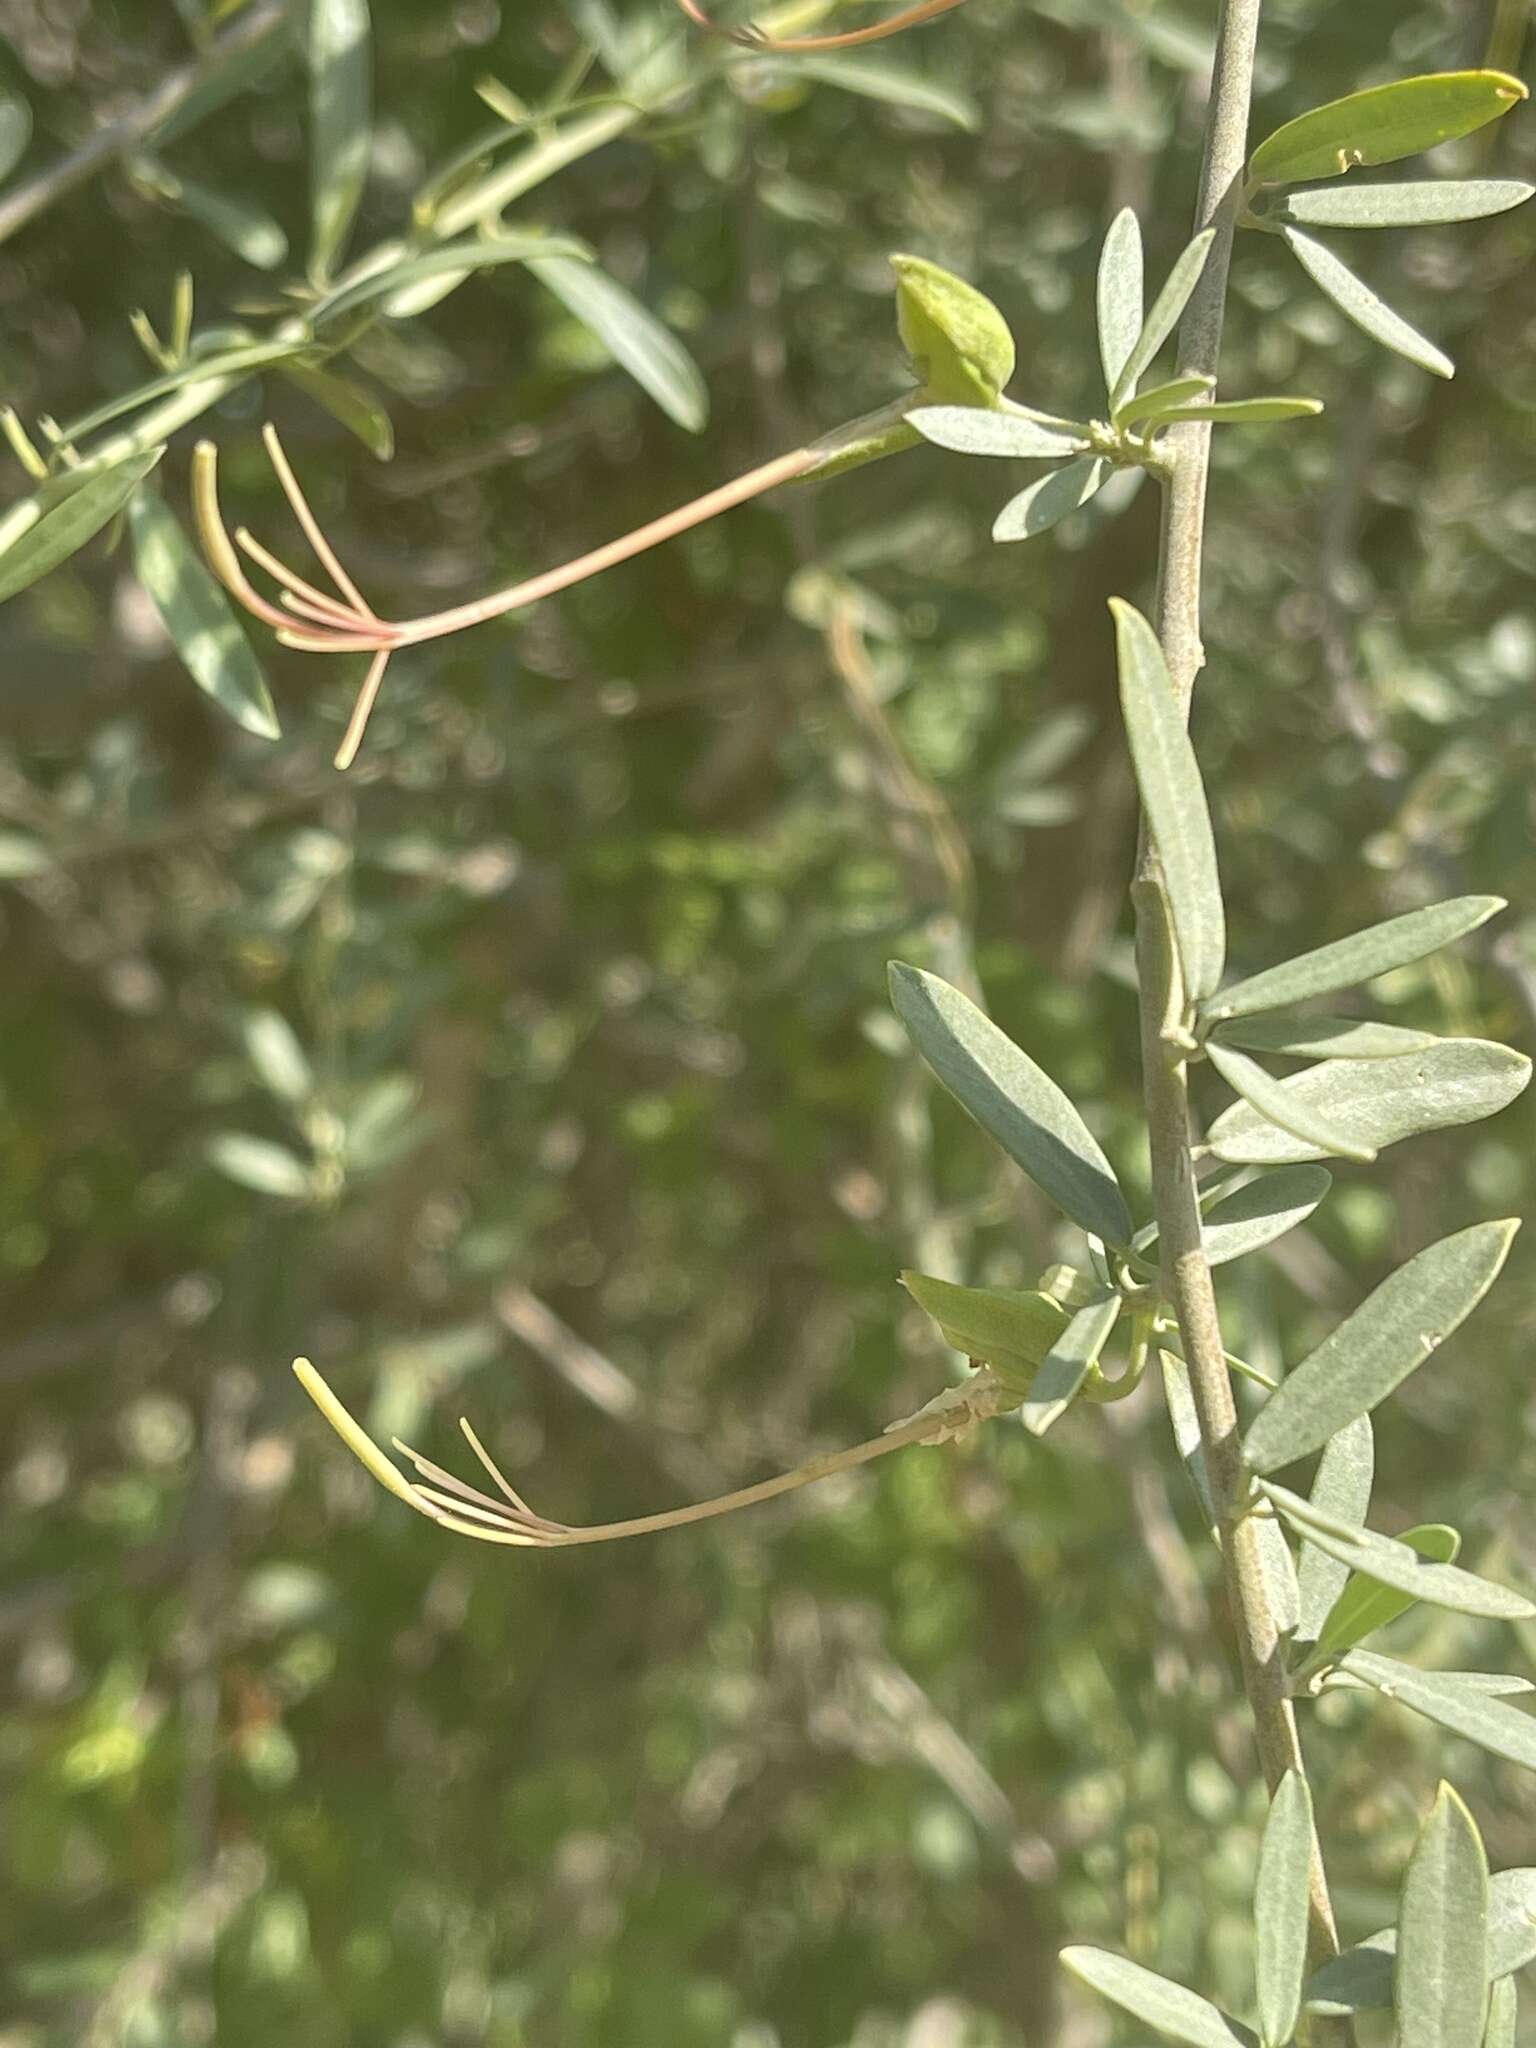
x,y
465,1511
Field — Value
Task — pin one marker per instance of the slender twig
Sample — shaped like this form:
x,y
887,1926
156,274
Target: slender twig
x,y
759,39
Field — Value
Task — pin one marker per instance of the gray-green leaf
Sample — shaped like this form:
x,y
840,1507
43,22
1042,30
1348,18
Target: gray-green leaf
x,y
1342,1487
1264,1209
1177,2014
1440,1985
1050,499
974,430
876,78
348,404
1366,1605
338,50
1396,1564
1345,963
1503,2015
1505,1731
1383,124
1280,1904
258,1163
1068,1362
1360,1980
199,617
1374,1350
1162,398
400,282
1164,316
1174,798
1012,1099
1423,203
1357,302
1324,1038
1119,295
1456,1081
1240,412
1282,1106
633,336
77,517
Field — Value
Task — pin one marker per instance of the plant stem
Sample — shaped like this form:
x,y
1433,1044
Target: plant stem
x,y
1186,1271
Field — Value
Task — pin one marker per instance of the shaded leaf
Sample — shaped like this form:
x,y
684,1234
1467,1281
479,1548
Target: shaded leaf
x,y
1345,963
1440,1983
1282,1106
1174,799
1374,1350
1342,1488
1383,124
397,281
1185,1419
1357,302
1396,1564
1280,1904
1164,316
633,336
974,430
248,230
1323,1038
1045,503
1070,1359
348,404
1177,2014
15,130
1428,203
75,519
1454,1081
1012,1099
199,617
338,50
877,78
1119,295
1366,1605
258,1163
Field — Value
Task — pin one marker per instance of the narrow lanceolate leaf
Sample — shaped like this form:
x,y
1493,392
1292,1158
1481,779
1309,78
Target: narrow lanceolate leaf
x,y
974,430
1383,124
1324,1038
258,1163
1265,1209
1280,1908
1068,1363
75,519
877,78
338,49
1012,1099
1045,504
1342,1487
1164,316
1009,1328
1357,302
1360,1980
1366,1605
1120,287
1162,398
404,284
1250,412
1278,1564
199,617
1174,799
1283,1107
1503,2015
1396,1564
15,130
1504,1730
1186,1431
1457,1081
1176,2014
1429,203
632,335
1345,963
347,403
1440,1985
1374,1350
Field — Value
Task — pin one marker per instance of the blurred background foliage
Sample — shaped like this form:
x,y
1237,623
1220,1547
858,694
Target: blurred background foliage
x,y
541,1067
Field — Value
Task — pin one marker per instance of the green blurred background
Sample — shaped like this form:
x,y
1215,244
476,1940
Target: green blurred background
x,y
599,1129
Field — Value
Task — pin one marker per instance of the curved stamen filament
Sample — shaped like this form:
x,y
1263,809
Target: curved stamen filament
x,y
362,710
311,525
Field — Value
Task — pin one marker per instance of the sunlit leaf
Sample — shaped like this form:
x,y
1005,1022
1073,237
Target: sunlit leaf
x,y
1396,1564
276,1054
397,281
1280,1904
1173,795
959,345
1119,295
1366,1605
1239,412
1070,1359
1164,316
1454,1081
1374,1350
199,617
258,1163
1345,963
1009,1328
338,49
1383,124
1045,503
1282,1106
1012,1099
632,335
1324,1038
1176,2014
1360,1979
1422,204
1503,2015
1357,302
1185,1422
78,517
1341,1488
1440,1984
15,130
1239,1219
1162,398
974,430
1504,1730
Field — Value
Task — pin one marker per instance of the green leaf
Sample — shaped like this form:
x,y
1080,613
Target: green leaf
x,y
1503,2015
277,1056
1456,1081
1361,957
633,336
1280,1904
1012,1099
877,78
1342,1487
1119,296
1440,1984
1395,1564
1420,205
1164,316
960,346
1323,1038
1068,1363
1282,1106
1262,1210
1439,1697
15,130
199,617
975,430
1162,398
1374,1350
1237,412
1176,2014
1357,302
1382,124
248,230
1360,1980
397,282
348,404
338,50
1047,502
1185,1422
1366,1605
258,1163
1009,1328
75,519
1174,799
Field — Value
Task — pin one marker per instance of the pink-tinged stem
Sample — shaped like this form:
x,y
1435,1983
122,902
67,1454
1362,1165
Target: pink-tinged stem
x,y
758,39
362,710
